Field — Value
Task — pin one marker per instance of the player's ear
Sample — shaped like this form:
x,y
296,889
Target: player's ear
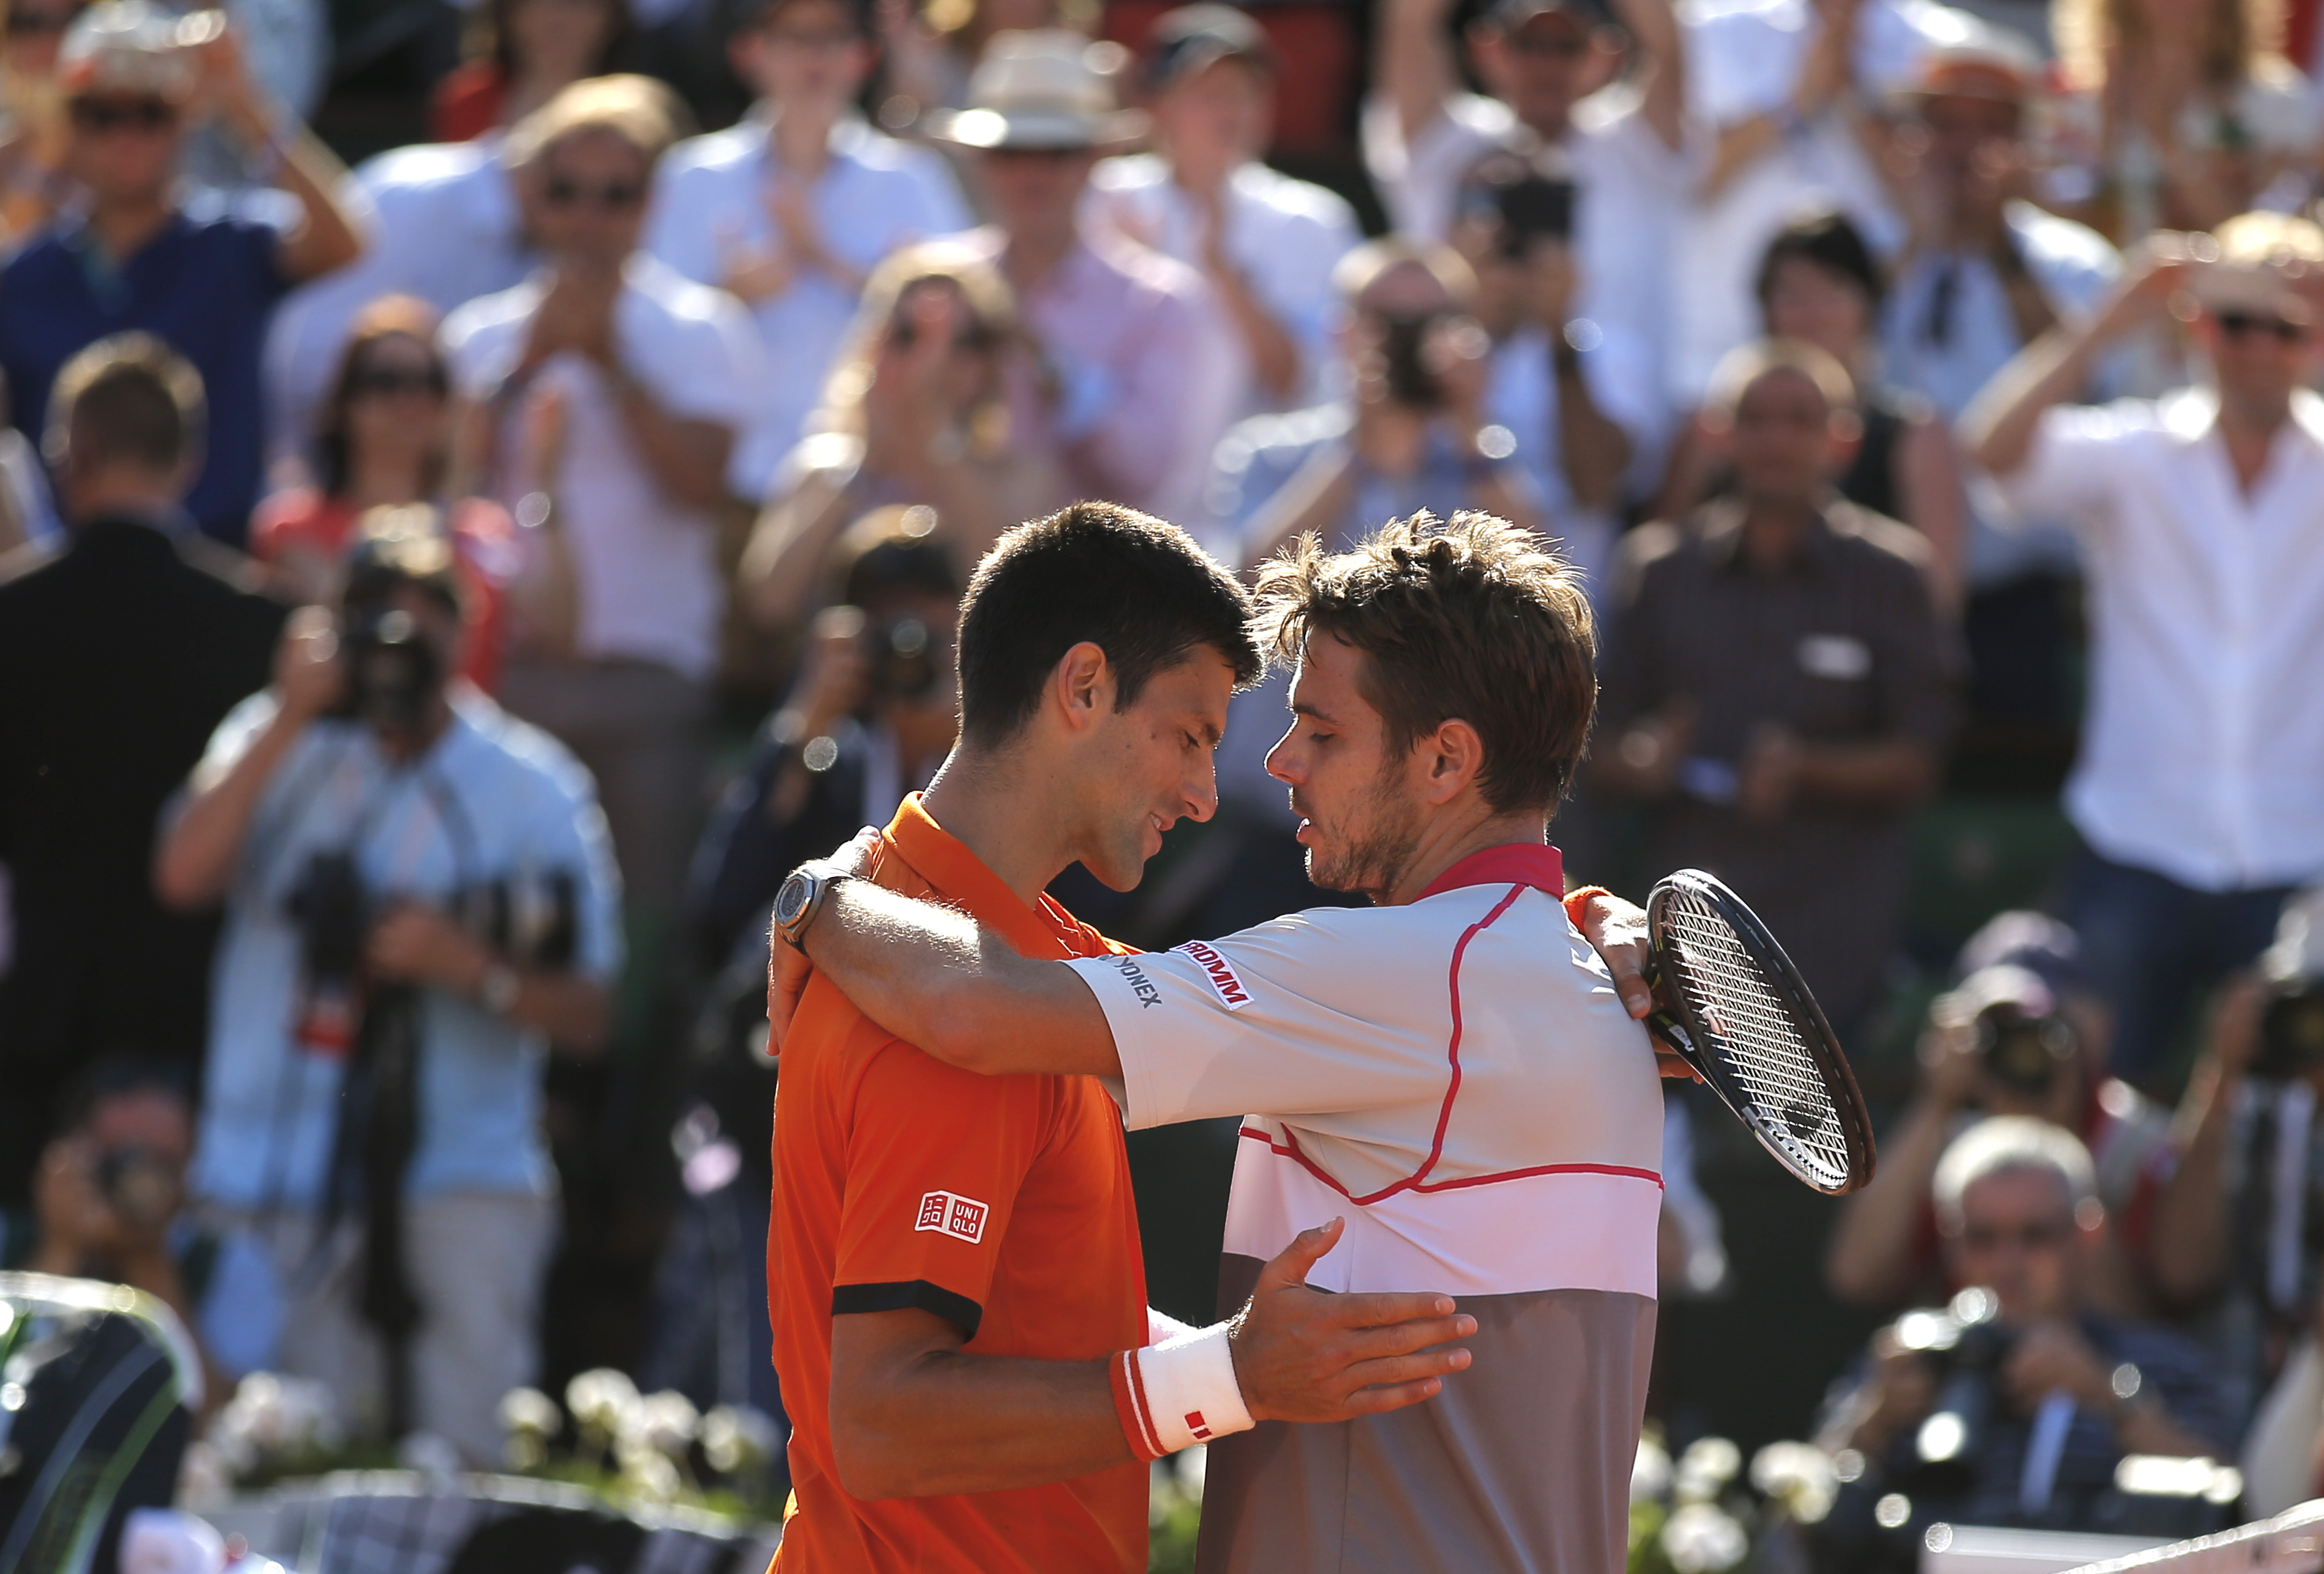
x,y
1456,759
1081,683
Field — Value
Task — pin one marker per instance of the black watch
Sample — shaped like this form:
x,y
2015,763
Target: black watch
x,y
801,897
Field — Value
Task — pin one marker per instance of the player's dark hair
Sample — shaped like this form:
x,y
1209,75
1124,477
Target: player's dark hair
x,y
1137,588
1476,620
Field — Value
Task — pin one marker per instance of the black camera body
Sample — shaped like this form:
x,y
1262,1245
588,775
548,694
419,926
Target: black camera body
x,y
2290,1030
531,917
1403,355
393,672
904,657
2025,1050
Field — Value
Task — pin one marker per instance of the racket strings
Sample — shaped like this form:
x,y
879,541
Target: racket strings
x,y
1753,1036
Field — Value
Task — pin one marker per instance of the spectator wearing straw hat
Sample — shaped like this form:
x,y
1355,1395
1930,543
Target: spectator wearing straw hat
x,y
199,273
1145,373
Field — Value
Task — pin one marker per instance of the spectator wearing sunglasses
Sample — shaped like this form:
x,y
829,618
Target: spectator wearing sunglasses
x,y
2198,791
792,209
202,274
384,441
648,380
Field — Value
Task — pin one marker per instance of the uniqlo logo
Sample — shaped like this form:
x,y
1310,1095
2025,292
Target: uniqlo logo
x,y
1197,1425
949,1213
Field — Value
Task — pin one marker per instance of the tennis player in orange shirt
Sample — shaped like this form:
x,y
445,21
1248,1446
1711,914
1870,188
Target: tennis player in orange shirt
x,y
961,1329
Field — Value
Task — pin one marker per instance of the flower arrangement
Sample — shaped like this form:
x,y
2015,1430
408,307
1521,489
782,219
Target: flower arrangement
x,y
1701,1513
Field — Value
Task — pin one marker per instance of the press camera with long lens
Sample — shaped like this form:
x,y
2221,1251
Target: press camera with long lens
x,y
2290,1030
1968,1347
530,917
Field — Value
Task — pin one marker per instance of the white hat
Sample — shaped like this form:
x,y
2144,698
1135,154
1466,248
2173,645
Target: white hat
x,y
1041,88
2297,953
132,46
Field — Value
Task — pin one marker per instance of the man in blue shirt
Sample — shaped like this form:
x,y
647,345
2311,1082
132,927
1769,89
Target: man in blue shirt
x,y
420,899
196,271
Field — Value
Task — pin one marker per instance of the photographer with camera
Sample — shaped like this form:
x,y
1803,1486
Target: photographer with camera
x,y
420,899
1418,432
2239,1224
869,719
2013,1406
109,1202
2020,1033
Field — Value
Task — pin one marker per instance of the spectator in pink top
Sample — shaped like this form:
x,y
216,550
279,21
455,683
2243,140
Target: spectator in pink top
x,y
1144,371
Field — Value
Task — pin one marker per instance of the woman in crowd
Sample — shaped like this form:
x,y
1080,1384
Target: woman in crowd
x,y
2178,114
1818,283
32,185
919,411
384,441
536,48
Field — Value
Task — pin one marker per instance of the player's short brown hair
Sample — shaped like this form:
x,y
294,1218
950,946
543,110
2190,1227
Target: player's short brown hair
x,y
128,399
1475,619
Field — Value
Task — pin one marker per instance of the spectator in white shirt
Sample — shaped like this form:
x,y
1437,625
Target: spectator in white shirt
x,y
791,209
1547,66
1795,91
1267,243
2200,789
647,379
1147,371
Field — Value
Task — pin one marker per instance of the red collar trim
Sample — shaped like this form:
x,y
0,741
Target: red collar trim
x,y
1513,863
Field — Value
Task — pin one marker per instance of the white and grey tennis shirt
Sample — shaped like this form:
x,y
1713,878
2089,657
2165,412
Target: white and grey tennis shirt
x,y
1458,1079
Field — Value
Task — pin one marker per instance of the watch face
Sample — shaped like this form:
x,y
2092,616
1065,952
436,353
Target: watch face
x,y
791,900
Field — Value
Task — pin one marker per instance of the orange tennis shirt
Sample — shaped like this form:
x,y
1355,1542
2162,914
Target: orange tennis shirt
x,y
1002,1204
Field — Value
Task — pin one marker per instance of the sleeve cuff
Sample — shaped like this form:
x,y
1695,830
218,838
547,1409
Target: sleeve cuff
x,y
896,1295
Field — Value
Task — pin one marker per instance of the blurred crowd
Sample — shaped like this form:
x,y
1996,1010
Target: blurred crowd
x,y
442,598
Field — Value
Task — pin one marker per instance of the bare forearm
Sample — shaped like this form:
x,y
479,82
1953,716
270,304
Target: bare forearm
x,y
328,238
948,1423
1998,427
1935,504
1274,356
789,548
1882,775
194,864
1316,497
2189,1249
1654,31
1594,451
1872,1242
1413,63
2148,1428
574,1012
1739,146
687,457
937,980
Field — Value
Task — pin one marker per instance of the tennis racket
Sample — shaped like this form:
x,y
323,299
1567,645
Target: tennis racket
x,y
1743,1019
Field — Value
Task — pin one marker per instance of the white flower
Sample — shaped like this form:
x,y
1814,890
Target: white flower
x,y
1650,1472
1701,1539
600,1400
737,1438
1798,1476
1708,1465
667,1422
646,1472
529,1412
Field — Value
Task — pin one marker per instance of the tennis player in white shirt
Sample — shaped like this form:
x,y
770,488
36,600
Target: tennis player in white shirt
x,y
1451,1071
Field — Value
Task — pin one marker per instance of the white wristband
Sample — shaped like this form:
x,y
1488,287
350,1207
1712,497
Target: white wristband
x,y
1188,1385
